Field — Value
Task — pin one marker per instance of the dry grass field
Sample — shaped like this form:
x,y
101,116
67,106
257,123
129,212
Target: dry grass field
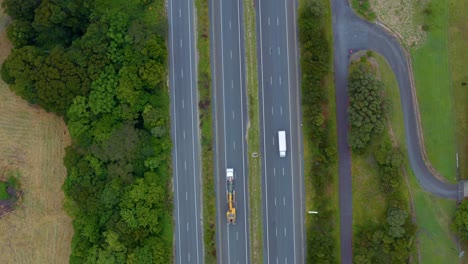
x,y
32,142
399,16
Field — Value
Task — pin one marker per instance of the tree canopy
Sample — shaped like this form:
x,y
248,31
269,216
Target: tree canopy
x,y
366,109
460,221
102,66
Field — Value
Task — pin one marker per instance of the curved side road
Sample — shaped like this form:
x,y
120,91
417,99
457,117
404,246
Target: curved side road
x,y
351,32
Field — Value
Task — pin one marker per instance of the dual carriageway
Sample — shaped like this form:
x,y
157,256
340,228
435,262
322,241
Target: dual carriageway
x,y
279,101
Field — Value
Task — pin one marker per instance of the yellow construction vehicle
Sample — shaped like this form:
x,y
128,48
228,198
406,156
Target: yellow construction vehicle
x,y
231,196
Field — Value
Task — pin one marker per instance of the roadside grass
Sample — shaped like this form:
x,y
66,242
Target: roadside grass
x,y
433,85
363,8
369,204
205,115
329,86
458,41
253,139
433,214
32,142
312,149
399,16
3,191
424,27
433,71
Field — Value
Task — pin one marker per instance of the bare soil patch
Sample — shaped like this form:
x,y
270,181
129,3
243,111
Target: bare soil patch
x,y
32,141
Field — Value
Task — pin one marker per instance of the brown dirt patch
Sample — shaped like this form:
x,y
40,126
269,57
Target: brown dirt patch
x,y
33,141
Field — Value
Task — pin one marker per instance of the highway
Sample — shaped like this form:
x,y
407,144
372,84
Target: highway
x,y
351,32
185,135
230,124
282,178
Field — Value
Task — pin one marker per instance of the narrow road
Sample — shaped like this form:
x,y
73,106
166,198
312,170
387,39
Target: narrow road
x,y
351,32
279,95
185,136
230,124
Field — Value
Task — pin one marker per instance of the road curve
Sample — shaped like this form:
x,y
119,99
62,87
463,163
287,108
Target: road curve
x,y
185,136
351,32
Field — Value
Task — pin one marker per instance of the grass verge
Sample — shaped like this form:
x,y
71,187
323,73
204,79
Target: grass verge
x,y
375,196
3,191
435,243
458,41
433,85
205,112
423,25
363,8
319,130
33,142
255,188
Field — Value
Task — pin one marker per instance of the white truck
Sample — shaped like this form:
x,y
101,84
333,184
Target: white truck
x,y
282,143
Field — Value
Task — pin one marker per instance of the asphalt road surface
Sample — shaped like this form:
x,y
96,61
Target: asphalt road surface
x,y
352,33
282,178
186,145
230,123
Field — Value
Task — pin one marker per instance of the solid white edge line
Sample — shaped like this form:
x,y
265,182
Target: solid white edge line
x,y
194,130
299,120
290,128
243,137
264,138
224,112
175,134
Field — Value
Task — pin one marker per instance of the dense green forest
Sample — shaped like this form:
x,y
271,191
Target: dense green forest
x,y
102,65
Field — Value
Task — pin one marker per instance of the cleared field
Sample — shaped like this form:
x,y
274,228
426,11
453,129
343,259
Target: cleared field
x,y
33,141
433,215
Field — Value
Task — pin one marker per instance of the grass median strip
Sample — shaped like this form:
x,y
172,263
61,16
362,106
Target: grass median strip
x,y
205,112
253,139
319,130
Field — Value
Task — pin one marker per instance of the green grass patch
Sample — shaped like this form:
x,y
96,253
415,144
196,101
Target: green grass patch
x,y
3,191
433,215
255,188
433,85
205,112
458,41
369,204
363,8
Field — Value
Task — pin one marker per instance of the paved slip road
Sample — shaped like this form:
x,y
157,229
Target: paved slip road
x,y
351,32
185,136
230,124
282,178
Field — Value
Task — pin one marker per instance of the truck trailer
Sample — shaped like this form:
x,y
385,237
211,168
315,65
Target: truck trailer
x,y
282,143
231,196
